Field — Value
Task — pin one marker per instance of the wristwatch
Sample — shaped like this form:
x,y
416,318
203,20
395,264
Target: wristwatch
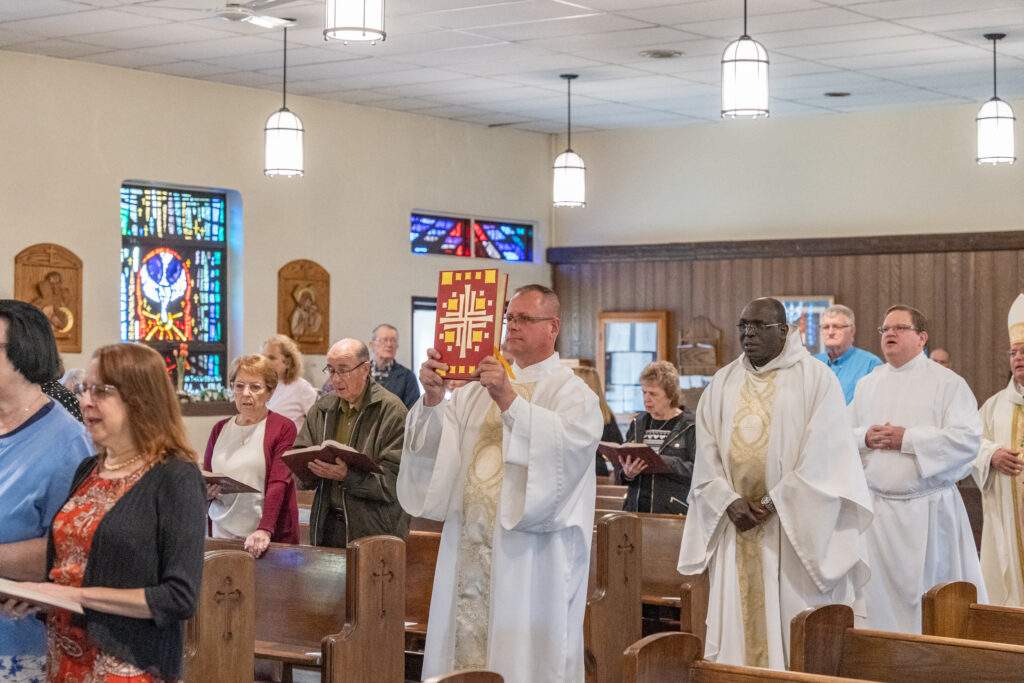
x,y
767,503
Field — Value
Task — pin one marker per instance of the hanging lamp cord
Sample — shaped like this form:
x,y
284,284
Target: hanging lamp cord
x,y
995,93
744,17
284,74
568,116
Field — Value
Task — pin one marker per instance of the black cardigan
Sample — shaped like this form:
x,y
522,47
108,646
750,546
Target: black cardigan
x,y
152,538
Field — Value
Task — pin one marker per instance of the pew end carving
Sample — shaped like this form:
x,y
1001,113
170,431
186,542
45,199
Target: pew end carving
x,y
220,637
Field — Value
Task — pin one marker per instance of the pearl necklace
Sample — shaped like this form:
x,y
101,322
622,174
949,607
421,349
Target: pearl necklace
x,y
120,465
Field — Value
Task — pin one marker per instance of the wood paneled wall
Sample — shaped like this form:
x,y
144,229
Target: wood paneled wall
x,y
964,284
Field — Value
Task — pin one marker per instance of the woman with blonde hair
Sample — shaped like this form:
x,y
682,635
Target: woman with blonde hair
x,y
128,543
667,427
294,396
612,433
248,448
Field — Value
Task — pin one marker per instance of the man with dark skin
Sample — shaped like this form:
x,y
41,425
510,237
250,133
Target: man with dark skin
x,y
763,331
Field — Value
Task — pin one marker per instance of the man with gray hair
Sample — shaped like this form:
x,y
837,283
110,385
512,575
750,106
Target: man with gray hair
x,y
387,371
362,414
838,328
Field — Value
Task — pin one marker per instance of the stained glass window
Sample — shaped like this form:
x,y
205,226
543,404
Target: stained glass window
x,y
173,275
505,241
439,235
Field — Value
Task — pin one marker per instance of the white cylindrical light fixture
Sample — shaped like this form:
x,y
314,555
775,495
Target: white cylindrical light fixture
x,y
995,122
282,139
569,175
744,80
354,21
570,182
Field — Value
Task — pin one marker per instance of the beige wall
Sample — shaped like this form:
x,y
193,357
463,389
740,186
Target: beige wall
x,y
71,132
898,171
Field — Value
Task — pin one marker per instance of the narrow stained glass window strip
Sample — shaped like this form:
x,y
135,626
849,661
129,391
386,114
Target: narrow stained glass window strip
x,y
173,279
504,241
439,235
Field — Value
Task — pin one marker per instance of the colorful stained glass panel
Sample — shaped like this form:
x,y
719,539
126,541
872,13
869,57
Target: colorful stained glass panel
x,y
203,371
183,214
504,241
439,235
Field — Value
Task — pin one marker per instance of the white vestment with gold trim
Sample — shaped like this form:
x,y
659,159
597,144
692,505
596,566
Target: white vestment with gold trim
x,y
1001,536
791,413
516,492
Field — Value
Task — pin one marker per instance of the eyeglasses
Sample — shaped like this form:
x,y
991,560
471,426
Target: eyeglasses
x,y
834,326
1016,353
254,389
755,326
524,319
387,341
896,328
331,372
97,391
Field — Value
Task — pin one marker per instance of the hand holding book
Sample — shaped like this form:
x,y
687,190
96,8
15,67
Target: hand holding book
x,y
18,595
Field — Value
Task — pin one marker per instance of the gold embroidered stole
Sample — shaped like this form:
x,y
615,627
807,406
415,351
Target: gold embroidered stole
x,y
1017,439
480,496
748,458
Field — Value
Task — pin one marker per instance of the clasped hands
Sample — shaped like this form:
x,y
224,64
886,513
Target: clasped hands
x,y
1007,462
491,374
884,437
747,514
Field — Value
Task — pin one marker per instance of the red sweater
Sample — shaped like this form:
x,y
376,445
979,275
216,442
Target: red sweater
x,y
280,508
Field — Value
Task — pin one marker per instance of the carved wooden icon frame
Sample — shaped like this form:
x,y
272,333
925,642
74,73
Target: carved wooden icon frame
x,y
304,304
49,276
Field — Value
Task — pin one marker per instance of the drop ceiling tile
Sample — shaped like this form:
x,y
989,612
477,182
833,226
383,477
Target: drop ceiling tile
x,y
403,7
361,66
78,23
54,47
631,55
417,42
149,36
226,47
630,38
12,10
169,11
852,48
465,86
453,111
356,96
187,69
561,63
550,77
710,10
976,65
402,104
495,51
249,79
772,23
501,15
593,23
838,34
621,5
983,20
404,77
129,59
298,56
901,9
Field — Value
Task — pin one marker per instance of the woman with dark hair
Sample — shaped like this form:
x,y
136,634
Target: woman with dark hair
x,y
248,448
40,447
667,427
128,542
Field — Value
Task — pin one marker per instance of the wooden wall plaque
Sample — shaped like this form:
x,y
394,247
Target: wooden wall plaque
x,y
50,277
304,304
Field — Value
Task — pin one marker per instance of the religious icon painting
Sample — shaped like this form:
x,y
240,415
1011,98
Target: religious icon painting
x,y
470,306
805,313
50,277
303,304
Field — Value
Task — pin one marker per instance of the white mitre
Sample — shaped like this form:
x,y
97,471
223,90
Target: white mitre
x,y
1015,321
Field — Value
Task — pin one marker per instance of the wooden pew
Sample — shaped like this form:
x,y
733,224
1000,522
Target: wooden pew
x,y
673,657
616,490
610,503
301,599
823,641
951,610
467,676
370,646
219,638
613,617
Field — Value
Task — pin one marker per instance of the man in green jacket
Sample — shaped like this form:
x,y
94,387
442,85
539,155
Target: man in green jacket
x,y
362,414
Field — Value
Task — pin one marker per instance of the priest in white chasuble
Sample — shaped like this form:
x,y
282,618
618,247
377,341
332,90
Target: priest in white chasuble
x,y
997,470
779,503
508,465
916,424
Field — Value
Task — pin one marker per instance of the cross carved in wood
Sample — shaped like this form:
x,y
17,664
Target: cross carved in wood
x,y
626,546
226,593
383,574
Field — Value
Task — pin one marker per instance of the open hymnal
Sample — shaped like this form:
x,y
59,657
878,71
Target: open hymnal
x,y
617,451
227,484
298,459
20,591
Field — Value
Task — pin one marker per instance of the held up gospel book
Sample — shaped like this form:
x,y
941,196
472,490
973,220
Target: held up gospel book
x,y
616,452
298,459
470,306
19,591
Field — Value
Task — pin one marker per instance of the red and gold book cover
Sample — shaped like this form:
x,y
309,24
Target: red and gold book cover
x,y
470,306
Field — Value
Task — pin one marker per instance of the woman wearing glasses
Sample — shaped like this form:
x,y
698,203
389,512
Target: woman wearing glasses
x,y
128,543
40,447
248,448
667,427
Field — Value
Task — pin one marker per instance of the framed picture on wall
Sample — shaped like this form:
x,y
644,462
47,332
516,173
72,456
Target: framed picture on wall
x,y
627,341
805,313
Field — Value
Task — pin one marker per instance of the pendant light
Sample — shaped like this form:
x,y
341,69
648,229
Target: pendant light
x,y
354,21
745,77
570,183
995,121
282,136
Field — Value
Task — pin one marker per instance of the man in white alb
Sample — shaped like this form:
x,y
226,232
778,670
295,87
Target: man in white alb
x,y
997,471
778,504
509,467
917,427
